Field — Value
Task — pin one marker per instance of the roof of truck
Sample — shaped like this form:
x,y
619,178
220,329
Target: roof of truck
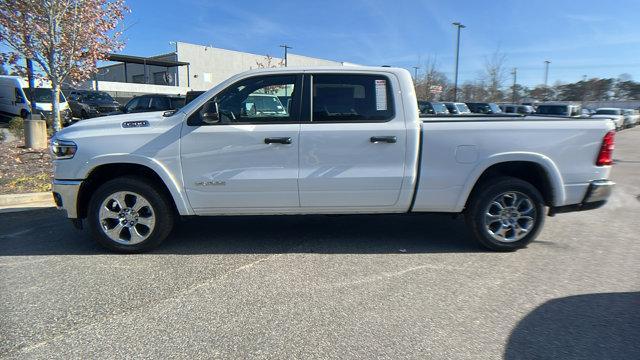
x,y
345,68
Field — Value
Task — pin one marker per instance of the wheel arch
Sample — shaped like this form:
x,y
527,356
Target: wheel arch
x,y
108,168
546,176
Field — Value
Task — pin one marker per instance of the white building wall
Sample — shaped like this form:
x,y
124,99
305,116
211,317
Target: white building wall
x,y
208,66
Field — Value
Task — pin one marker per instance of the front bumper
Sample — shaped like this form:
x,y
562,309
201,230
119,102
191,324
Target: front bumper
x,y
597,195
65,194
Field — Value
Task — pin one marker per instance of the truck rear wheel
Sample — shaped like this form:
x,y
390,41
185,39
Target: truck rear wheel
x,y
128,215
505,214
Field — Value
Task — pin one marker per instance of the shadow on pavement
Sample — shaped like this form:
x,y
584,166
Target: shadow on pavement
x,y
47,232
592,326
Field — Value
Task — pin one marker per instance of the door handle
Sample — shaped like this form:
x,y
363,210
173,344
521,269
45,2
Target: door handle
x,y
278,140
387,139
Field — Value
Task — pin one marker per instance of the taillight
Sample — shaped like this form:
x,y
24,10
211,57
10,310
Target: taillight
x,y
605,156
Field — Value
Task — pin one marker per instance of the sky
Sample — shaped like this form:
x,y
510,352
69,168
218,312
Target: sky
x,y
587,37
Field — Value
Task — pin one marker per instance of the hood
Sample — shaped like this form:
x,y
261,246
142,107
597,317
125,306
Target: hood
x,y
604,116
110,125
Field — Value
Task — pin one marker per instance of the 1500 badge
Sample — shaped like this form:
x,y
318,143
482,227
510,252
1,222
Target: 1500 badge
x,y
132,124
210,183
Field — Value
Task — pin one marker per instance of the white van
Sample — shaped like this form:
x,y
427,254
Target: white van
x,y
14,100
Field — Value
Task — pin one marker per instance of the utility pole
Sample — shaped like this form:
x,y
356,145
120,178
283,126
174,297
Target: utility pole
x,y
455,82
515,79
415,74
546,72
286,47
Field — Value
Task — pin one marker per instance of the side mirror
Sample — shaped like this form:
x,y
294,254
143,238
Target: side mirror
x,y
210,113
210,118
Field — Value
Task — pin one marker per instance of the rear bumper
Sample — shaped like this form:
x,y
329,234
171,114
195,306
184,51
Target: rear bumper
x,y
596,196
65,194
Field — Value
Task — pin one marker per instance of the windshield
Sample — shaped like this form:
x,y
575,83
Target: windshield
x,y
495,108
97,96
552,110
607,112
463,108
440,108
42,95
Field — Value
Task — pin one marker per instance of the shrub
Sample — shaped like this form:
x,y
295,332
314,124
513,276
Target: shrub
x,y
3,136
16,126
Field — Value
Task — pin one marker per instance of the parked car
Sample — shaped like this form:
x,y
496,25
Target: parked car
x,y
87,104
517,109
484,108
153,102
559,110
355,144
631,117
432,108
15,100
614,114
457,108
192,95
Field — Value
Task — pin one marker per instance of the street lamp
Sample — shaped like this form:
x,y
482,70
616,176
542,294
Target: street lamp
x,y
455,82
546,72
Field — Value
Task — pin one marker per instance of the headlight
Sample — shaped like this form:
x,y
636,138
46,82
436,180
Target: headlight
x,y
63,149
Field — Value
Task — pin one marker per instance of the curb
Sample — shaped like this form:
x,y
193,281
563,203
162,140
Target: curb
x,y
23,199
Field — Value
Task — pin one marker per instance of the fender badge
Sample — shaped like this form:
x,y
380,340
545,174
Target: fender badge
x,y
210,183
133,124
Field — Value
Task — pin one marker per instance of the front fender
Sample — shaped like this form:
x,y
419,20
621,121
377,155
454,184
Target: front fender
x,y
172,183
552,173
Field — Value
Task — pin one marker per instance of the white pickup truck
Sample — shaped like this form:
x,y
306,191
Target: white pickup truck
x,y
343,140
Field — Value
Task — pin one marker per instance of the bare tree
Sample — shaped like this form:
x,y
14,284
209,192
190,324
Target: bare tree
x,y
495,74
433,83
65,38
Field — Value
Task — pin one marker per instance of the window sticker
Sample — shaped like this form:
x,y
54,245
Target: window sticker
x,y
381,95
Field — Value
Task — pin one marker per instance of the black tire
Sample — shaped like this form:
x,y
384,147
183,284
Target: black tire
x,y
83,114
24,114
484,196
160,206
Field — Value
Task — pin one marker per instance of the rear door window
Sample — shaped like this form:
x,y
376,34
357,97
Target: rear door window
x,y
352,97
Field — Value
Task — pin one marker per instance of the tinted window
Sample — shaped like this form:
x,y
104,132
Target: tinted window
x,y
253,100
132,105
425,107
607,112
43,95
552,110
352,98
160,103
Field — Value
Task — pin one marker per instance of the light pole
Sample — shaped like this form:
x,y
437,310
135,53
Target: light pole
x,y
546,72
415,74
286,47
515,79
455,82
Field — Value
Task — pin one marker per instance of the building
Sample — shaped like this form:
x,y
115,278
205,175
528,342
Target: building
x,y
189,67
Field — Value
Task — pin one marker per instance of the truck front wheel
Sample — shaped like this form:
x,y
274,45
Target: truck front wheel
x,y
505,214
128,215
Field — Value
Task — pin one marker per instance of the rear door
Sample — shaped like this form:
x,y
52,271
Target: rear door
x,y
247,161
352,141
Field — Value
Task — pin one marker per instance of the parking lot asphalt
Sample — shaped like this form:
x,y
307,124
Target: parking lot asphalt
x,y
330,287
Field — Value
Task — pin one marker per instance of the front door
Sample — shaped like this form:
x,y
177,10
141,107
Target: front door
x,y
246,159
352,150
